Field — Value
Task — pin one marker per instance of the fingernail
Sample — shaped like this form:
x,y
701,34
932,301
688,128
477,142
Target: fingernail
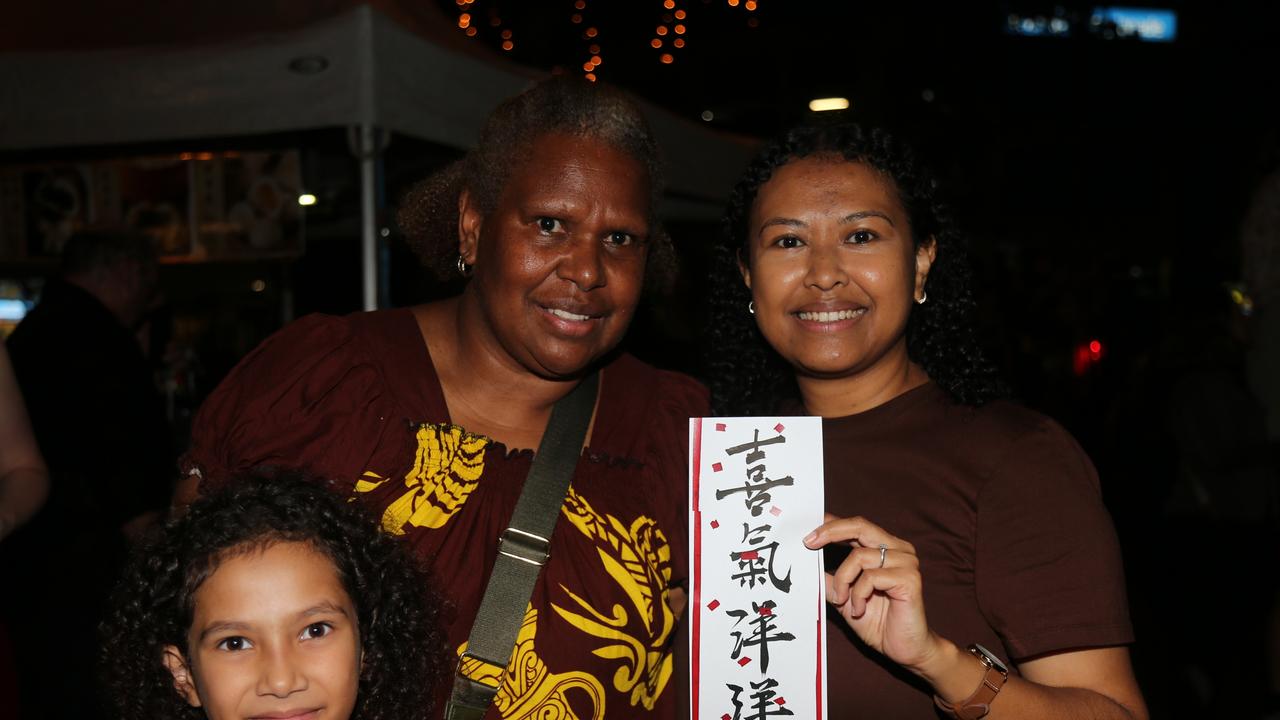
x,y
808,539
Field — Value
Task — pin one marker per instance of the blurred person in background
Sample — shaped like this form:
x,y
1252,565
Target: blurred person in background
x,y
100,425
24,485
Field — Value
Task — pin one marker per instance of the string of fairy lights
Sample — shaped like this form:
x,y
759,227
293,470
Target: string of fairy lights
x,y
670,36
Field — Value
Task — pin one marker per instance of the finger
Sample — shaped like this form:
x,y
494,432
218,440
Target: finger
x,y
900,584
863,559
829,589
851,530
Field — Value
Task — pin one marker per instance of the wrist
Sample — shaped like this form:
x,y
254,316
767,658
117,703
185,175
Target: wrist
x,y
951,670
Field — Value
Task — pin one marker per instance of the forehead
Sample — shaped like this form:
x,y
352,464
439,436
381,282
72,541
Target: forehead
x,y
260,584
819,184
559,162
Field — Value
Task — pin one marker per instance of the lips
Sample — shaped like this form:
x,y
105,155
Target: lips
x,y
830,316
297,714
566,315
572,320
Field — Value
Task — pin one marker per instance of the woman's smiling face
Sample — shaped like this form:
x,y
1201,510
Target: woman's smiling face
x,y
832,266
559,261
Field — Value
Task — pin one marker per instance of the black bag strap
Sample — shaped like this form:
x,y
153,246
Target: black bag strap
x,y
523,548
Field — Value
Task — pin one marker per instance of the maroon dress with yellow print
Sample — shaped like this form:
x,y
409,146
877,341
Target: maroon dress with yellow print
x,y
357,399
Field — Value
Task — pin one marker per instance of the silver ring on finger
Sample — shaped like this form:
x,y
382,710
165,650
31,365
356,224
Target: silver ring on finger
x,y
884,551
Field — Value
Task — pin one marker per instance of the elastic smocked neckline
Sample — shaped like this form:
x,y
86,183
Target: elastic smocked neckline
x,y
599,457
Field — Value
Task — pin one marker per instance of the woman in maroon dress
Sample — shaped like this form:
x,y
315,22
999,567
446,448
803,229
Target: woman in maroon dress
x,y
432,412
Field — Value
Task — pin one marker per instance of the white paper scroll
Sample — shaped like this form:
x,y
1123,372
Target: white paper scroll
x,y
756,638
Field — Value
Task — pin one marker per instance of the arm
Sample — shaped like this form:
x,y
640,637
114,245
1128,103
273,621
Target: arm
x,y
1071,685
24,481
884,605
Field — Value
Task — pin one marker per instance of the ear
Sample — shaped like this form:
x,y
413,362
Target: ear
x,y
745,270
469,221
182,678
926,253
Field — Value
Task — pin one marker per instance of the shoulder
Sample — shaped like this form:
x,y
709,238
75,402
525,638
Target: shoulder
x,y
642,384
1030,461
1005,431
318,375
645,411
325,344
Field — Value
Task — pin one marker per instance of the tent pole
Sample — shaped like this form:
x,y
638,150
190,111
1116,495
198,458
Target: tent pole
x,y
368,153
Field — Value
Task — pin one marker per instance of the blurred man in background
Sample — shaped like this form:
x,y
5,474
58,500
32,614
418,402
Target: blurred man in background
x,y
101,426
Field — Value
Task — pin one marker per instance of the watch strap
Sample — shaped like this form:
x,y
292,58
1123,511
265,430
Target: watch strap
x,y
978,704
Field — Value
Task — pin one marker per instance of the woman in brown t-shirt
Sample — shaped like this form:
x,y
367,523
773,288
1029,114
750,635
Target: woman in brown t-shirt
x,y
431,413
838,255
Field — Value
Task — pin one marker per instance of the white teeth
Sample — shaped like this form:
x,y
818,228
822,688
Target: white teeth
x,y
827,317
568,315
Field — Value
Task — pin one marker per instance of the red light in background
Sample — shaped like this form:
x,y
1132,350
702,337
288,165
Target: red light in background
x,y
1085,356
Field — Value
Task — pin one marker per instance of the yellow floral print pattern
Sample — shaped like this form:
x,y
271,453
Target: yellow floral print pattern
x,y
638,558
447,466
529,690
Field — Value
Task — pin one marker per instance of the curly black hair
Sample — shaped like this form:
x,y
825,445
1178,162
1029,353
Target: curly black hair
x,y
404,649
747,377
428,213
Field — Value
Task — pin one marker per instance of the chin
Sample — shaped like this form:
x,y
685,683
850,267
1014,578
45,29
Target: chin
x,y
827,368
563,368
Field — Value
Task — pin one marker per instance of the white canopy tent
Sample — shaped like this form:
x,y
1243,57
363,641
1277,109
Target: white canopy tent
x,y
358,69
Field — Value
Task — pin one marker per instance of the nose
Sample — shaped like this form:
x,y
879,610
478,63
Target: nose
x,y
825,270
583,263
281,673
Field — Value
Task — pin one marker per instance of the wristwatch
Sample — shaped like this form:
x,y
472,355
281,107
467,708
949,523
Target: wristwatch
x,y
978,704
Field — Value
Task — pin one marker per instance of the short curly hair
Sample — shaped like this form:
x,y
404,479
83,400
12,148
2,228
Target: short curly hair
x,y
405,653
428,214
747,377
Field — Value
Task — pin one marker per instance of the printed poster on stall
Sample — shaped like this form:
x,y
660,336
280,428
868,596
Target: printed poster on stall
x,y
757,642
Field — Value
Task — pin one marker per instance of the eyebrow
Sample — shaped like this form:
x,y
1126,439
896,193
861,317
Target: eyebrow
x,y
787,222
864,214
220,626
323,608
851,217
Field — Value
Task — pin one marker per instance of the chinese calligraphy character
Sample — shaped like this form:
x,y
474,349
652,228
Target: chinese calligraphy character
x,y
764,703
763,632
755,564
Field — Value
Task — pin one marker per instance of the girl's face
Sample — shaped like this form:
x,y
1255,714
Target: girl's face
x,y
833,270
274,636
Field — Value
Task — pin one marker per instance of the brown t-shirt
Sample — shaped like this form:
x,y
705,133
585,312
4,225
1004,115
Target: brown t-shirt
x,y
357,399
1016,550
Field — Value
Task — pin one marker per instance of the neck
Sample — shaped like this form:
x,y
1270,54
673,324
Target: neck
x,y
862,391
485,390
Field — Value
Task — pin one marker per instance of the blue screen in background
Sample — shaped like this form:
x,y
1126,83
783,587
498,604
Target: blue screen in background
x,y
1148,24
13,310
1103,22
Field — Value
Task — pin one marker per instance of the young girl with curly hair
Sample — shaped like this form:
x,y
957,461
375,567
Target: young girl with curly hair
x,y
272,598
